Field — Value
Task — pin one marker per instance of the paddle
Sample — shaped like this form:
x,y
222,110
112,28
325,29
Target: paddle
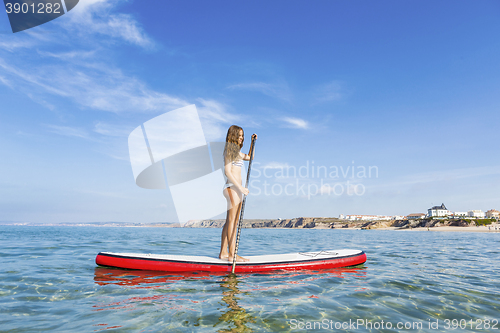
x,y
240,222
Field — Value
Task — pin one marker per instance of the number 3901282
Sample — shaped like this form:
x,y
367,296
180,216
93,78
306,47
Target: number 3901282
x,y
40,8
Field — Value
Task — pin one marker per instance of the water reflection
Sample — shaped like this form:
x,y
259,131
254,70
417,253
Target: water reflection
x,y
144,279
235,316
126,277
153,279
194,297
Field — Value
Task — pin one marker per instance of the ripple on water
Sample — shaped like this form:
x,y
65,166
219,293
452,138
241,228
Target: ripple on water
x,y
49,279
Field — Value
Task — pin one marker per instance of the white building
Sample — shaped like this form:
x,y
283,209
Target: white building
x,y
365,217
477,213
438,211
493,213
459,215
415,216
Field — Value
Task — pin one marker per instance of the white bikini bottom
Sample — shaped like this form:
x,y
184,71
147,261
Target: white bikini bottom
x,y
234,199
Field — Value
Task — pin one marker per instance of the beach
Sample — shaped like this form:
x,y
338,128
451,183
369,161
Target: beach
x,y
491,228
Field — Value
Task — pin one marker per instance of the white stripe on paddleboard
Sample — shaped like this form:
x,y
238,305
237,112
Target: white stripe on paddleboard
x,y
263,259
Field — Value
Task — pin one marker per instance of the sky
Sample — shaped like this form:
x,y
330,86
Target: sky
x,y
361,107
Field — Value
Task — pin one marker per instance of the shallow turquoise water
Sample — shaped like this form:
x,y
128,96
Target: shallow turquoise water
x,y
412,281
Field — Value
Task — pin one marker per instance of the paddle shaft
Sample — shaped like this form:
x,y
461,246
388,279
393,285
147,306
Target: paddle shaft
x,y
240,222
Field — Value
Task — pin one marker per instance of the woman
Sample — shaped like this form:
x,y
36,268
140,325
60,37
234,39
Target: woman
x,y
233,190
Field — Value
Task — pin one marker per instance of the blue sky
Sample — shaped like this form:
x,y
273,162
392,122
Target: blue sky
x,y
409,88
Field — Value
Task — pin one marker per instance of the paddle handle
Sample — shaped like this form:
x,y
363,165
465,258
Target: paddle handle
x,y
240,222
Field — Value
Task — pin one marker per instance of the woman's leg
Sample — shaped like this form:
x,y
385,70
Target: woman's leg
x,y
223,242
228,237
232,231
224,237
234,214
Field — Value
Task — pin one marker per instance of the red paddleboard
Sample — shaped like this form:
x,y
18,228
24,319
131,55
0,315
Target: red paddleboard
x,y
265,263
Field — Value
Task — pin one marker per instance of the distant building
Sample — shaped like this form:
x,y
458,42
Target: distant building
x,y
415,216
459,214
477,213
438,211
364,217
398,217
493,214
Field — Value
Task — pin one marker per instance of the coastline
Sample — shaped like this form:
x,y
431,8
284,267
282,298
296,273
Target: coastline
x,y
458,229
320,223
438,229
457,225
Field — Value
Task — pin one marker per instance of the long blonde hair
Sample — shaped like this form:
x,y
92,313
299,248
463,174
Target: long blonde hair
x,y
232,148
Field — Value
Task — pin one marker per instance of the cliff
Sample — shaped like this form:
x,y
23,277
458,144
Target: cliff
x,y
335,223
300,222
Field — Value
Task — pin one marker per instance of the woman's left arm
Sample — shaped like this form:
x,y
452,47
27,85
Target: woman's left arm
x,y
246,157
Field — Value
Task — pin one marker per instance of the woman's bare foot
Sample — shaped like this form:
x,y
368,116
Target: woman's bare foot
x,y
238,259
223,256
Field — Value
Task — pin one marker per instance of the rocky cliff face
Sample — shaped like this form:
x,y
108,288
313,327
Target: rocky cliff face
x,y
300,222
330,223
204,224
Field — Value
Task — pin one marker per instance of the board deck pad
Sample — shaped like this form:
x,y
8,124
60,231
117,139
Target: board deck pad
x,y
262,263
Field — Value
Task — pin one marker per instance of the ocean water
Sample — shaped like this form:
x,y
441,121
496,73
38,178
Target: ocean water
x,y
413,281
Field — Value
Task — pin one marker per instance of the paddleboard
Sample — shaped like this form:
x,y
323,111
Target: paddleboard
x,y
263,263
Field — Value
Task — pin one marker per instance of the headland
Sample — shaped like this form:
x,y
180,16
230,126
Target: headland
x,y
429,224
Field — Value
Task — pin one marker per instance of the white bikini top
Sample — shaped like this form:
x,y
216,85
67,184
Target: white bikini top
x,y
238,163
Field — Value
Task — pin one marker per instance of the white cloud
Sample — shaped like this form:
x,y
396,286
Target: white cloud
x,y
26,77
87,19
326,189
215,119
127,28
91,85
79,74
276,90
11,44
5,81
94,16
88,82
81,54
113,130
69,131
295,122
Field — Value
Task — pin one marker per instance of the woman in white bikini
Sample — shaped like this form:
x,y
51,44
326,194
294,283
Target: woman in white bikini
x,y
233,190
